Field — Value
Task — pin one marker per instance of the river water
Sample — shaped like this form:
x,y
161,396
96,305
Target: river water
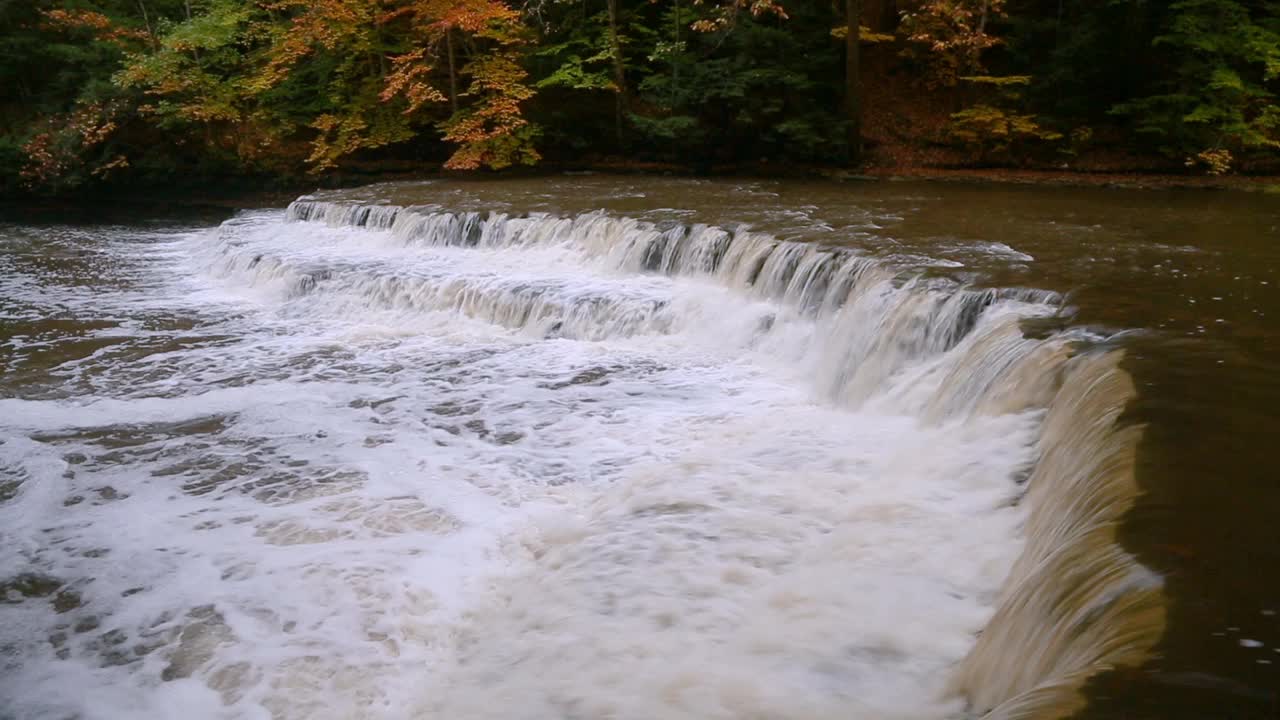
x,y
599,447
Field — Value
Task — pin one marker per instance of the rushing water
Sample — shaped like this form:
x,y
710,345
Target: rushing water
x,y
615,448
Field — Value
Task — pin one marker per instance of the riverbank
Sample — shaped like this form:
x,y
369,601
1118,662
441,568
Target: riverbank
x,y
220,195
1069,178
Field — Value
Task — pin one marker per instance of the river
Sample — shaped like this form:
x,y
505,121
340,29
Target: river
x,y
619,447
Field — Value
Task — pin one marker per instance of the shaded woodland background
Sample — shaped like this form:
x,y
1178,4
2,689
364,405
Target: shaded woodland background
x,y
140,93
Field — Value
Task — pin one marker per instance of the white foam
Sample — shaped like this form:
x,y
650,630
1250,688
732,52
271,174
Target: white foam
x,y
379,480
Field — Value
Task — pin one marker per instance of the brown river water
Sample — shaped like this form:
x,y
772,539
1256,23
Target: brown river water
x,y
619,447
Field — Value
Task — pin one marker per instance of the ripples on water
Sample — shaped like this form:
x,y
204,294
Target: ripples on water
x,y
405,464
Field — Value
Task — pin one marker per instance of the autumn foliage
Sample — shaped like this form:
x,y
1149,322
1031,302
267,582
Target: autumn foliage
x,y
491,130
385,69
120,90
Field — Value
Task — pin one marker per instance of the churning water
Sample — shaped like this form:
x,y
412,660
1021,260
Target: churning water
x,y
362,460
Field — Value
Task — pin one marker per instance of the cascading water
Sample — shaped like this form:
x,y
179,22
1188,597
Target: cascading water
x,y
1074,603
591,466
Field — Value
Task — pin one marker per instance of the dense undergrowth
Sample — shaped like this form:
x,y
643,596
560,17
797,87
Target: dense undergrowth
x,y
131,93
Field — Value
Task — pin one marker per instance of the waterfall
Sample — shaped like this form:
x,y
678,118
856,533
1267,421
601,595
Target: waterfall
x,y
1074,602
869,322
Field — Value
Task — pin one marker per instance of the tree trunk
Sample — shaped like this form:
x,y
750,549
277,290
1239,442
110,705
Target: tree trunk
x,y
195,52
675,64
619,71
853,78
146,20
453,73
380,51
880,15
1057,27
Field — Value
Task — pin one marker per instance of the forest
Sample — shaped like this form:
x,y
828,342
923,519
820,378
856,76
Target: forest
x,y
140,93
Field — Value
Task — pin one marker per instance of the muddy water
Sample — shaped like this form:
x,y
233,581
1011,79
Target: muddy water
x,y
304,466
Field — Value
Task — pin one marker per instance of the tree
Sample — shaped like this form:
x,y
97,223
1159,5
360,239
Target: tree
x,y
197,74
1220,100
619,69
492,130
747,83
954,35
853,76
63,122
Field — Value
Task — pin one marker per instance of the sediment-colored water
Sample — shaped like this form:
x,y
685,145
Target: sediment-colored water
x,y
599,447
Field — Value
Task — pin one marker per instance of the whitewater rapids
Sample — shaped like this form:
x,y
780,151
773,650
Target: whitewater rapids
x,y
371,461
